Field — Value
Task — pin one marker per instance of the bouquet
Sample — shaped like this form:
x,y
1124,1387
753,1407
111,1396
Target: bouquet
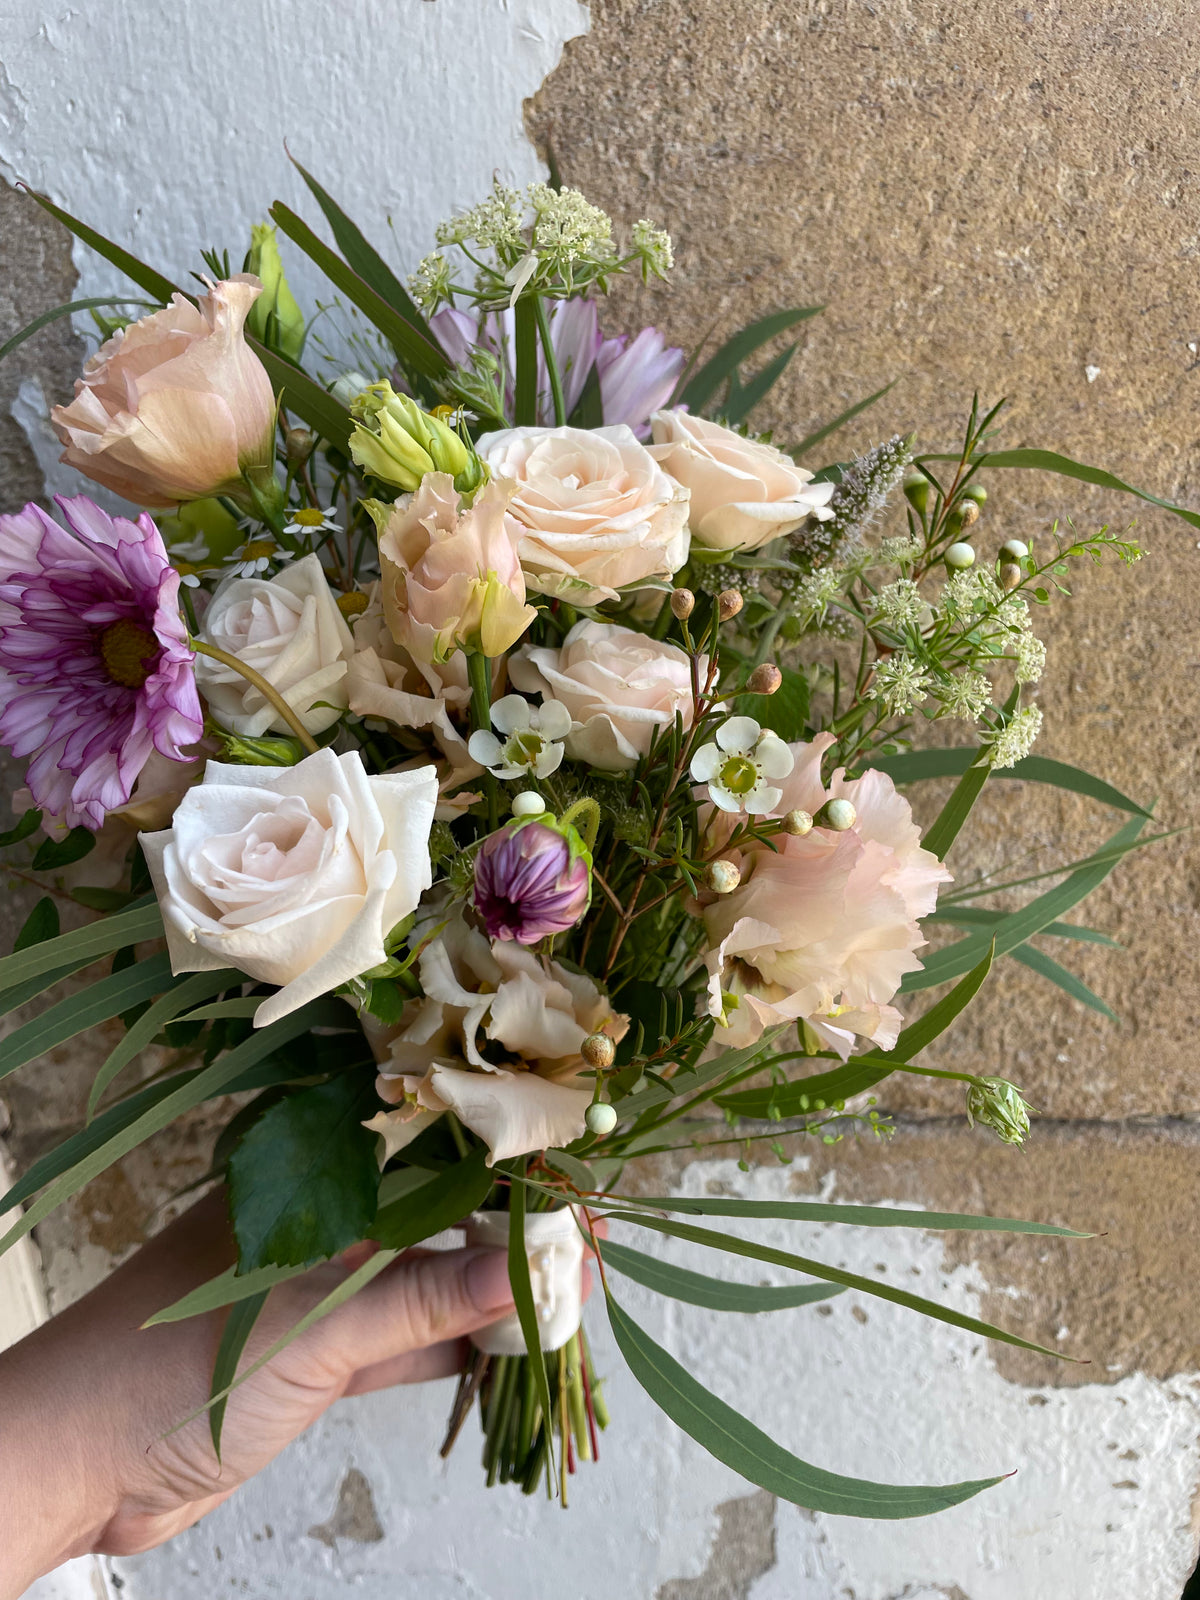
x,y
480,764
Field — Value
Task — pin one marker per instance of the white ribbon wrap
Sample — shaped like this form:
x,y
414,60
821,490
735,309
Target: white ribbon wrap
x,y
554,1247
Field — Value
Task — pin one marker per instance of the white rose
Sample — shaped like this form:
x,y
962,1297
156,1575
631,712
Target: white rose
x,y
295,875
287,628
619,686
601,514
744,493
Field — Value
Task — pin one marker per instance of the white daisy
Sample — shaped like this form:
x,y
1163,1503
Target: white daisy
x,y
252,559
739,767
310,520
532,742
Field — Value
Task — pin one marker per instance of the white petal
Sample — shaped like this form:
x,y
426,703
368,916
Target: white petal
x,y
554,720
513,1112
706,763
722,798
549,761
511,714
762,799
738,735
485,748
772,756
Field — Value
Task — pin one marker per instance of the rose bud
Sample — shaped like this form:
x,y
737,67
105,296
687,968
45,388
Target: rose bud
x,y
729,603
765,679
532,880
683,603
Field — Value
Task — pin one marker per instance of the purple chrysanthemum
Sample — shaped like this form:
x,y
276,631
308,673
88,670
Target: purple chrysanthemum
x,y
528,884
95,669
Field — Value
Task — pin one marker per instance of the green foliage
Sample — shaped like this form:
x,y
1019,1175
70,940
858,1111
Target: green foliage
x,y
29,823
518,1277
812,440
721,367
145,277
304,1181
41,924
239,1325
714,1294
108,997
785,712
72,950
52,853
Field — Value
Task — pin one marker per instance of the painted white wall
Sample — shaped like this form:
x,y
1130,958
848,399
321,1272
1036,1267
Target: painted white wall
x,y
164,126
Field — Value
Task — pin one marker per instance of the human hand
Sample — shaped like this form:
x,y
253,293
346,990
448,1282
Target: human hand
x,y
87,1458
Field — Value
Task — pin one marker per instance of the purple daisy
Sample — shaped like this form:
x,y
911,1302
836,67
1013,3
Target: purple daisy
x,y
528,883
95,669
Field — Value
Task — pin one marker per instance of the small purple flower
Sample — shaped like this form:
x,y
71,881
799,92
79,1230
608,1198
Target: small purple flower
x,y
529,883
95,669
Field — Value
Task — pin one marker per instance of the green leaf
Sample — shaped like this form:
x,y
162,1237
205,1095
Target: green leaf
x,y
412,347
55,312
742,399
1046,967
518,1277
441,1202
304,1181
198,986
938,1018
704,384
714,1294
589,408
815,1093
785,712
145,277
27,825
89,1007
957,809
977,917
41,924
106,900
312,404
239,1325
814,439
848,1280
683,1083
53,853
84,945
915,765
832,1211
363,257
186,1091
728,1436
525,351
580,1174
228,1288
1018,926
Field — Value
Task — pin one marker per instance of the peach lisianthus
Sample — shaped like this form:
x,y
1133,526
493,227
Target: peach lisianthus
x,y
451,577
823,928
176,406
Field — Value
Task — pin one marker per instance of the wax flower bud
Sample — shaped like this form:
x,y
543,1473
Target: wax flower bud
x,y
729,603
916,491
275,319
533,879
976,492
396,441
765,679
722,877
966,512
598,1050
797,823
683,603
298,446
528,804
999,1106
1014,550
959,557
1010,576
837,815
601,1118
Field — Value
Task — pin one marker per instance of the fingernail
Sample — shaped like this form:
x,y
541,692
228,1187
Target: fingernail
x,y
487,1281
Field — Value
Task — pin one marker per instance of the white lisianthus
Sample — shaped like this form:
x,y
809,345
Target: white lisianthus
x,y
532,739
295,875
619,686
743,766
289,629
744,493
600,515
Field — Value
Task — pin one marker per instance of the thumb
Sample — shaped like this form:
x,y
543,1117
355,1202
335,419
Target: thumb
x,y
420,1301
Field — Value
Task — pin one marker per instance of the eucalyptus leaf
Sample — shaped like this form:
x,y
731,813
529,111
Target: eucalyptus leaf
x,y
714,1294
518,1277
821,434
913,766
145,277
239,1325
703,385
41,924
140,922
38,323
87,1008
1046,967
311,403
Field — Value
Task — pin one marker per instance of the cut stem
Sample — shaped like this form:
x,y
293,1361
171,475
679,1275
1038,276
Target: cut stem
x,y
556,388
267,690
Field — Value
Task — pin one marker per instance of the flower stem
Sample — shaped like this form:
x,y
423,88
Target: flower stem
x,y
267,690
479,676
556,388
526,379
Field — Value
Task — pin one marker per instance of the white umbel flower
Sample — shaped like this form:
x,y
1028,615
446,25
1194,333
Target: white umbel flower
x,y
739,768
532,742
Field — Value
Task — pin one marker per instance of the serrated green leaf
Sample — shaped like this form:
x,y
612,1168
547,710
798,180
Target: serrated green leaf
x,y
38,323
41,924
913,766
701,388
28,824
239,1325
89,1007
137,271
821,434
711,1239
728,1436
304,1181
714,1294
83,945
52,853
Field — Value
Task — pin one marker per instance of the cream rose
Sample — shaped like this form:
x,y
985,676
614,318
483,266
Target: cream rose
x,y
287,628
619,686
744,493
174,407
599,514
295,875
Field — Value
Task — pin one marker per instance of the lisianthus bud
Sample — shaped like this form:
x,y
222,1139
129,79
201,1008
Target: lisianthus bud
x,y
275,319
683,603
959,557
399,443
837,815
999,1106
598,1050
729,603
765,679
532,880
722,877
1014,550
600,1117
797,823
1010,576
243,751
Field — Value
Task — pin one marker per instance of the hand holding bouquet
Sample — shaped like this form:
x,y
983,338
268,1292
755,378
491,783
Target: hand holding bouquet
x,y
505,741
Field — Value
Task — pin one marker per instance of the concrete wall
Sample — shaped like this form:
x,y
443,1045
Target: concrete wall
x,y
992,197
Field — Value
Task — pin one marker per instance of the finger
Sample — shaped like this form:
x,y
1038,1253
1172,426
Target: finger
x,y
419,1302
417,1366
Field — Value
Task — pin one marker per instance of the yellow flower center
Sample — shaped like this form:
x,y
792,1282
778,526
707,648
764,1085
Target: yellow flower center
x,y
129,653
738,775
529,744
310,517
256,549
352,605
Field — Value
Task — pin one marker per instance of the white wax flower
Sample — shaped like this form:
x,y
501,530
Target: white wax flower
x,y
532,742
740,769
